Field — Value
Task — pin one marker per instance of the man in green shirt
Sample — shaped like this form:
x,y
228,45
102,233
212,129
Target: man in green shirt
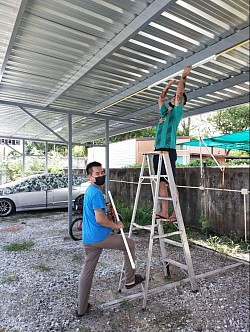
x,y
165,138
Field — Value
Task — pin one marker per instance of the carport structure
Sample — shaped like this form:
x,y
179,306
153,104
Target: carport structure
x,y
96,60
75,71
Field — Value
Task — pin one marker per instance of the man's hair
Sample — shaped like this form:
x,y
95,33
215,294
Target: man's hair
x,y
185,98
89,167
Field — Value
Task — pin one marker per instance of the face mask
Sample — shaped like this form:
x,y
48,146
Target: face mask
x,y
100,180
170,104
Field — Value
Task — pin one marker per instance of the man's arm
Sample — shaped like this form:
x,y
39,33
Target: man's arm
x,y
102,219
162,97
181,85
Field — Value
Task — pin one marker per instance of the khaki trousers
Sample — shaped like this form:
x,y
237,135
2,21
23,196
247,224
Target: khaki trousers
x,y
92,254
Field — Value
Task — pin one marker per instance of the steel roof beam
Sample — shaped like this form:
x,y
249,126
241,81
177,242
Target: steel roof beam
x,y
44,125
21,124
73,112
218,86
19,17
232,40
36,139
218,106
142,20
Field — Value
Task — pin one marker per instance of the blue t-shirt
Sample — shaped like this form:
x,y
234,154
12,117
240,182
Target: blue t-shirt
x,y
166,129
92,232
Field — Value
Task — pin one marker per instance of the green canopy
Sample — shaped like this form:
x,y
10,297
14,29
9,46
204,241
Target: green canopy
x,y
235,141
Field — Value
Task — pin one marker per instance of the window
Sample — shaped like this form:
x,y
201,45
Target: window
x,y
181,147
181,160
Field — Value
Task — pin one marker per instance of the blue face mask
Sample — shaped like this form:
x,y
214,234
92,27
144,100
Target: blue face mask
x,y
100,180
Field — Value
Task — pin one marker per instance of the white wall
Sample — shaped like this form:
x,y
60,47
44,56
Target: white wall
x,y
120,154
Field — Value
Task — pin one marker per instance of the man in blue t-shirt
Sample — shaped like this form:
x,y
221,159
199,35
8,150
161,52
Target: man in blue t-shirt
x,y
98,235
165,138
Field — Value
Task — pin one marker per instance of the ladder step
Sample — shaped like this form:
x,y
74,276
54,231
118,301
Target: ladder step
x,y
152,176
174,243
165,199
147,227
162,236
171,261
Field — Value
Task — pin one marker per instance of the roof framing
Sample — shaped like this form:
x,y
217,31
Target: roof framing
x,y
106,63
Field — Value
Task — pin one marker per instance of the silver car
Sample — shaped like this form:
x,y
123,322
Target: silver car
x,y
43,191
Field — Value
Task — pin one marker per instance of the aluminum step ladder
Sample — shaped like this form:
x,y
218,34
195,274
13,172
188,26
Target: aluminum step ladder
x,y
156,228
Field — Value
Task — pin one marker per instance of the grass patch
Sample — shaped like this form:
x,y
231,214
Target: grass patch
x,y
224,244
116,294
83,329
77,257
124,304
41,267
8,279
19,246
115,324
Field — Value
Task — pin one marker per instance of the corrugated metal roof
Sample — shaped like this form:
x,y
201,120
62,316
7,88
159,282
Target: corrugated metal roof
x,y
101,60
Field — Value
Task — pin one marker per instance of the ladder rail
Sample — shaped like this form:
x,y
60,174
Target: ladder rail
x,y
183,236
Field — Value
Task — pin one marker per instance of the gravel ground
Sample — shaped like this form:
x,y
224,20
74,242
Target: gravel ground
x,y
38,287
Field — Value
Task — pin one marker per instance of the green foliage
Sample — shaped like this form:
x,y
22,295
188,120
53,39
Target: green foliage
x,y
231,120
146,132
9,278
19,246
226,245
41,267
143,214
207,162
133,166
12,170
2,329
206,236
207,225
238,160
83,329
79,151
186,127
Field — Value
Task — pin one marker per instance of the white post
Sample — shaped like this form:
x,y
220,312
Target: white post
x,y
122,232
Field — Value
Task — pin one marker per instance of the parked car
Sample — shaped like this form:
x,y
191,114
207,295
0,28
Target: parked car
x,y
38,192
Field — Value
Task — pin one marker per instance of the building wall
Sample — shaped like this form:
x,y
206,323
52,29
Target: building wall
x,y
121,154
225,208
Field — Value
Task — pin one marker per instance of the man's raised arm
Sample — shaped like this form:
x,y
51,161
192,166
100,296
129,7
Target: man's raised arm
x,y
181,85
162,97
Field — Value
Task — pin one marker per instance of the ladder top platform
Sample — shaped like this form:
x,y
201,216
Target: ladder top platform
x,y
155,153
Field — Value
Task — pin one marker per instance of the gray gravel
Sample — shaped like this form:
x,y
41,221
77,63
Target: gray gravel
x,y
38,288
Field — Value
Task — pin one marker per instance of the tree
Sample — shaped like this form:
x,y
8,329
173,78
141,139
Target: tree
x,y
231,120
186,127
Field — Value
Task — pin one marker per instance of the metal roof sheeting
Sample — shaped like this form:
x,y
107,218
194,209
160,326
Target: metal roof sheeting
x,y
97,59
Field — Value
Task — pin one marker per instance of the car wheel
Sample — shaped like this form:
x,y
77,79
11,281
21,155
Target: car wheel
x,y
6,207
78,204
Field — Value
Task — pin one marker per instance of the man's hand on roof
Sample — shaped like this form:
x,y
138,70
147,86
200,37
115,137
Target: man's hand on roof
x,y
186,70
